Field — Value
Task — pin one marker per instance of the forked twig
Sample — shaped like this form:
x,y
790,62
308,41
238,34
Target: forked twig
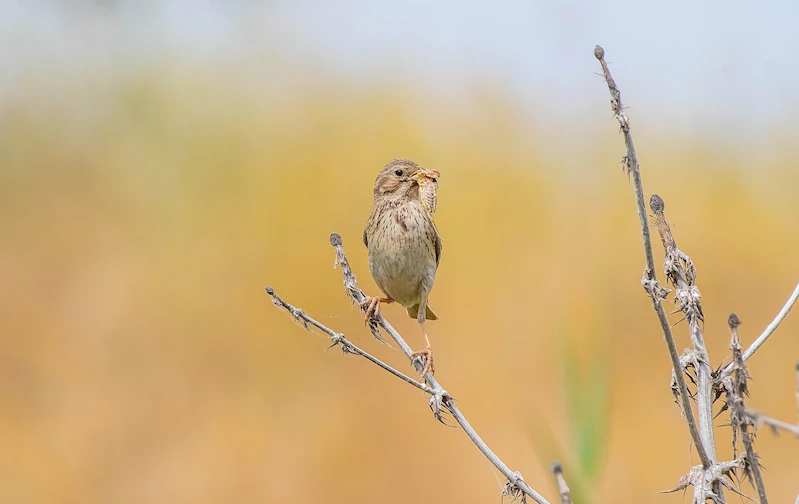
x,y
440,400
338,339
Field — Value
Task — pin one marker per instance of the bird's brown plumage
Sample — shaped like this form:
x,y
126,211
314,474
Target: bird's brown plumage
x,y
403,241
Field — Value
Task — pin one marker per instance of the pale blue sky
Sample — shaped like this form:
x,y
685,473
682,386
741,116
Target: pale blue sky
x,y
732,64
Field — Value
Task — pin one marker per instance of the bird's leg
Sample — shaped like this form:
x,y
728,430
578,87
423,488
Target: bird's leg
x,y
429,367
373,306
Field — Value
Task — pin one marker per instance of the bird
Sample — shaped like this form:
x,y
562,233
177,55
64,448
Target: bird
x,y
404,244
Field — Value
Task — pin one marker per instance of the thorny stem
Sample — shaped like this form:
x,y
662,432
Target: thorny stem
x,y
680,271
761,419
767,332
651,282
439,399
563,488
736,390
703,479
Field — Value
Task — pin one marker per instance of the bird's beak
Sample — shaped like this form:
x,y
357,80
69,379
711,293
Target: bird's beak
x,y
425,174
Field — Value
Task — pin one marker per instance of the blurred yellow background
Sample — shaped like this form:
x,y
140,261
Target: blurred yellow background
x,y
144,209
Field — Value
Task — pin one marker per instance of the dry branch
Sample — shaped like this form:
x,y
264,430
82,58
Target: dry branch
x,y
767,332
776,425
563,488
650,281
440,401
338,339
759,419
681,273
737,388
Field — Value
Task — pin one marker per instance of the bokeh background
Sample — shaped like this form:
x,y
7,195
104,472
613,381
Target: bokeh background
x,y
161,162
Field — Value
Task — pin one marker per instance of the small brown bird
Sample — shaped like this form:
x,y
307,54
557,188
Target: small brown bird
x,y
404,244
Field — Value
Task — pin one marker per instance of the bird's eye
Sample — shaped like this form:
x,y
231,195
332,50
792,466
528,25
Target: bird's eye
x,y
398,173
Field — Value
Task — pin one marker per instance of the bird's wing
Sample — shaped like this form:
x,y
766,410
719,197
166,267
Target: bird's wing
x,y
366,236
438,245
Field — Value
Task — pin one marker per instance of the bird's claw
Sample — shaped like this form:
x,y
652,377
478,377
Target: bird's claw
x,y
372,308
425,358
372,305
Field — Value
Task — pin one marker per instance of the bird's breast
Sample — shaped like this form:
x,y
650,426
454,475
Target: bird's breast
x,y
402,256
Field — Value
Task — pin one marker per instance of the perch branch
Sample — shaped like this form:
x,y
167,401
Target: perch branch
x,y
650,281
338,339
563,488
440,400
681,273
769,330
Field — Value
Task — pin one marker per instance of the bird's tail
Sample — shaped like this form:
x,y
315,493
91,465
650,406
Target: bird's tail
x,y
413,312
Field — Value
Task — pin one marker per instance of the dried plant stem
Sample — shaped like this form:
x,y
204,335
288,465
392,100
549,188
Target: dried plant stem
x,y
736,389
768,331
563,488
650,281
338,339
761,419
440,400
680,271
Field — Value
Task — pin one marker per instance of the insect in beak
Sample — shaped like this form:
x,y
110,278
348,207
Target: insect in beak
x,y
421,174
428,187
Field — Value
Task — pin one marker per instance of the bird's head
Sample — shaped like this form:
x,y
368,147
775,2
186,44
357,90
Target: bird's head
x,y
401,179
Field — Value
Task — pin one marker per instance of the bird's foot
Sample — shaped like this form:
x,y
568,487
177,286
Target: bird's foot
x,y
426,358
372,306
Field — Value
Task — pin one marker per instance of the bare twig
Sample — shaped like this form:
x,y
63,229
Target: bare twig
x,y
649,281
440,400
681,273
761,419
737,388
767,332
338,339
563,488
